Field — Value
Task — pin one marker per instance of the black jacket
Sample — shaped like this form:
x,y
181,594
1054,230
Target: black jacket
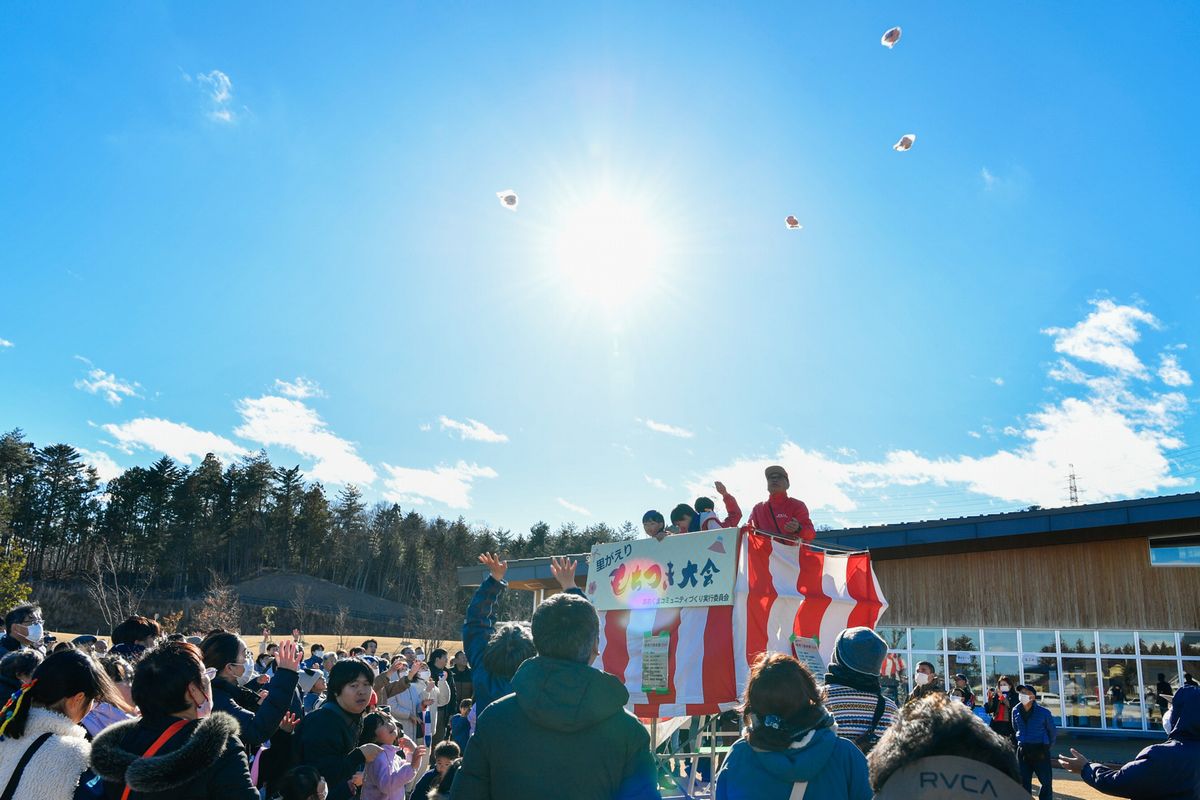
x,y
565,719
328,740
255,727
203,761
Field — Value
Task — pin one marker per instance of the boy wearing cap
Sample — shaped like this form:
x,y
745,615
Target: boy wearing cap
x,y
1036,734
780,515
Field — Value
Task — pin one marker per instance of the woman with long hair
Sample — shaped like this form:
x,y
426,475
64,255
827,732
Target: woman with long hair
x,y
228,654
790,740
179,749
43,748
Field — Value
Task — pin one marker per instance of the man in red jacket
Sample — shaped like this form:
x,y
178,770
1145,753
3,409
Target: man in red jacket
x,y
780,515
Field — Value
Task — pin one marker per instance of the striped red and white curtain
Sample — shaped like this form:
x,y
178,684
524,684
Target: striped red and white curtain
x,y
781,589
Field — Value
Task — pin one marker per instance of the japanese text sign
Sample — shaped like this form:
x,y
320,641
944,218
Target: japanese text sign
x,y
688,569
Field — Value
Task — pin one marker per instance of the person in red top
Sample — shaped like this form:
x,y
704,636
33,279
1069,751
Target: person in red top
x,y
708,519
780,515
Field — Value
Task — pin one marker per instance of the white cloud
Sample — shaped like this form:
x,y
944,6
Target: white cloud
x,y
998,381
113,389
450,486
569,506
975,434
106,468
281,422
1105,337
219,89
656,483
1171,373
1117,436
472,429
175,439
669,430
299,389
989,180
425,427
5,343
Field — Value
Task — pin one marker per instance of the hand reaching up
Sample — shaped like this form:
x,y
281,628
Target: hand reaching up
x,y
289,722
495,566
564,571
288,656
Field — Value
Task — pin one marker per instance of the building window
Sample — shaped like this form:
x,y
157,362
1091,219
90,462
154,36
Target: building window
x,y
1000,641
1175,551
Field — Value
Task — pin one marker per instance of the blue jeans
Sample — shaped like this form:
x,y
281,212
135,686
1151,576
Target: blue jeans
x,y
1043,770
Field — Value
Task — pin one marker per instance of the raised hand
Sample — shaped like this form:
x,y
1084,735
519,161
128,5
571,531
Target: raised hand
x,y
416,668
296,634
289,722
418,754
495,566
720,487
288,656
564,571
1073,763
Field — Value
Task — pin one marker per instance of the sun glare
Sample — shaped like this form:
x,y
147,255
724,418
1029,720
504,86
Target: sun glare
x,y
607,252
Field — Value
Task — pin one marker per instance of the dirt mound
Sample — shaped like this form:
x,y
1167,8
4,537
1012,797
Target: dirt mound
x,y
324,597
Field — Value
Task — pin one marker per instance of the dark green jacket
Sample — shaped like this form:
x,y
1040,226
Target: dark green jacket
x,y
564,733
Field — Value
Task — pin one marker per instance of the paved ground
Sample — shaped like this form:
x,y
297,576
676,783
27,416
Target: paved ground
x,y
1072,787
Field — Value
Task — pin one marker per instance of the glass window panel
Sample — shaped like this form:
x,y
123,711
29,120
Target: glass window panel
x,y
1191,672
1191,647
962,639
896,638
1177,551
939,665
927,638
1159,677
1004,641
1081,693
894,677
1078,642
961,664
1042,674
995,666
1117,642
1157,644
1122,700
1037,642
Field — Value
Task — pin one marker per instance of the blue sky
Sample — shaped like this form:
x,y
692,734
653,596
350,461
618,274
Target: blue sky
x,y
203,205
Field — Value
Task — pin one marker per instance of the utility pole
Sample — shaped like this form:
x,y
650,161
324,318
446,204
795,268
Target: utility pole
x,y
1073,486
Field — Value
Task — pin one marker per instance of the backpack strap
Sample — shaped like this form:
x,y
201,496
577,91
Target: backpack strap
x,y
154,748
864,741
15,780
799,789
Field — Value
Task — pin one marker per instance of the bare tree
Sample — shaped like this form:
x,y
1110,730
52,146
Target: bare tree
x,y
339,624
219,608
300,605
116,598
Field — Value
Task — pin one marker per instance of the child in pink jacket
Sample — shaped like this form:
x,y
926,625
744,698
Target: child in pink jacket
x,y
385,778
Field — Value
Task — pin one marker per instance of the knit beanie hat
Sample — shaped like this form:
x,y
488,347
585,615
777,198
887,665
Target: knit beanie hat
x,y
859,649
308,678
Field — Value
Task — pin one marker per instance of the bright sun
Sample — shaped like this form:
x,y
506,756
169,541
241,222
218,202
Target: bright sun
x,y
608,252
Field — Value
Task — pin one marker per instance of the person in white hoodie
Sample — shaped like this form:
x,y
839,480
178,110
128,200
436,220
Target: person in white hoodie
x,y
43,749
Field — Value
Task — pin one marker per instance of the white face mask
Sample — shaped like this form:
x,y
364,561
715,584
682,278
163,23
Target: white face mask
x,y
958,699
247,672
920,679
35,633
204,708
318,653
1004,687
1026,699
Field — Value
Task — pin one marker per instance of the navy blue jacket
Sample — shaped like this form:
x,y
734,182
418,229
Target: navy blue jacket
x,y
1166,771
1034,726
256,727
477,630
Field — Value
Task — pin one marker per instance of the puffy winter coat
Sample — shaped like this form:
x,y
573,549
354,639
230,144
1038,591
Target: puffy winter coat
x,y
1166,771
563,735
204,760
833,768
53,772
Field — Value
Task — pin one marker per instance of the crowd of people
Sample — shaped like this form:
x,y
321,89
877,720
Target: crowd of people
x,y
520,712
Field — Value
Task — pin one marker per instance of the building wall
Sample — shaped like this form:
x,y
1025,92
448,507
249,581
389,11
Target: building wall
x,y
1098,585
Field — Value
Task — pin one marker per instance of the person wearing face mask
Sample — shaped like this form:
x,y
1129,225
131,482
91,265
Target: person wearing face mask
x,y
1168,770
43,749
257,720
24,628
925,682
1000,704
1036,734
179,749
317,657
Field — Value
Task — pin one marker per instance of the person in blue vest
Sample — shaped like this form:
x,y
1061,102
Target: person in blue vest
x,y
1036,734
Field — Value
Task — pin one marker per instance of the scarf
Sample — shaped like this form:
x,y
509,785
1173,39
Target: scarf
x,y
844,676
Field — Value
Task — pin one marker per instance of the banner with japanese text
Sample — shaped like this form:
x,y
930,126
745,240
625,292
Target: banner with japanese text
x,y
683,570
